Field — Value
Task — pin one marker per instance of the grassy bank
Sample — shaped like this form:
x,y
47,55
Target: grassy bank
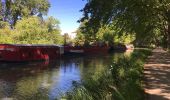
x,y
123,81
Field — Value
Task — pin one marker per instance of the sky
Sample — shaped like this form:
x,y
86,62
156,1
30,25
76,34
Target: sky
x,y
67,12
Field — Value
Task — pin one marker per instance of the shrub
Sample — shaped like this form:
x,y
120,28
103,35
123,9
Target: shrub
x,y
121,82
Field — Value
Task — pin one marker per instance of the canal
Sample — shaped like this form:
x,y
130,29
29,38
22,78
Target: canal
x,y
49,80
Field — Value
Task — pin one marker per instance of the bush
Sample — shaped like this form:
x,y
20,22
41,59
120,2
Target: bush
x,y
121,82
32,31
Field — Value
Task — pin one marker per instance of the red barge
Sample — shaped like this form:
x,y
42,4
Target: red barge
x,y
86,50
27,52
22,52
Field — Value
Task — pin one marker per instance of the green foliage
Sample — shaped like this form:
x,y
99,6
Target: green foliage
x,y
121,82
127,73
5,36
105,34
24,8
33,31
52,24
4,25
83,36
5,33
80,39
28,29
112,36
147,20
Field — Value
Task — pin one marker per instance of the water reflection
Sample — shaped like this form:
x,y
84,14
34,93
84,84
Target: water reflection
x,y
49,80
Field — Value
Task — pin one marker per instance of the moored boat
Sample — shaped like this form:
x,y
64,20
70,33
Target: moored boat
x,y
26,52
122,47
86,49
73,50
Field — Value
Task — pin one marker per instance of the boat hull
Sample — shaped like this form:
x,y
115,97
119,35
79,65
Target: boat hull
x,y
86,50
18,53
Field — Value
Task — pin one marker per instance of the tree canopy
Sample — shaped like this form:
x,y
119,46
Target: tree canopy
x,y
32,30
12,10
104,34
149,20
28,26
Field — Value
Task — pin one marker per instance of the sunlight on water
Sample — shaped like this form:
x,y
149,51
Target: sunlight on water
x,y
48,81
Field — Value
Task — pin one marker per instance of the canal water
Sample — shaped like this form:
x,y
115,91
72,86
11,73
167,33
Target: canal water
x,y
49,80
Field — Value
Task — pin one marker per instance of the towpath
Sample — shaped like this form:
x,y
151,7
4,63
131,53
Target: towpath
x,y
157,75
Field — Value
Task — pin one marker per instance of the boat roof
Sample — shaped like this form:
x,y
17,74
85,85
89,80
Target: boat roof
x,y
36,45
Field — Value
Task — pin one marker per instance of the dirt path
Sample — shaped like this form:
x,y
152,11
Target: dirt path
x,y
157,76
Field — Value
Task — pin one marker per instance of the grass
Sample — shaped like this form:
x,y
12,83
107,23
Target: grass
x,y
123,81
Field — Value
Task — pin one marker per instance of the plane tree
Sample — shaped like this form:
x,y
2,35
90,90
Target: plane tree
x,y
149,20
12,10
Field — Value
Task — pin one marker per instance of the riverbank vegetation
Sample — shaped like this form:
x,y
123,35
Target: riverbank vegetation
x,y
141,23
22,22
32,30
148,21
105,34
121,81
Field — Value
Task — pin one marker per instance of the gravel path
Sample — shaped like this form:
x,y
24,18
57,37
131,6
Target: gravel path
x,y
157,76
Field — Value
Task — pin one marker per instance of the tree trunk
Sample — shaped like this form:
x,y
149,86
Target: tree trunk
x,y
168,30
168,35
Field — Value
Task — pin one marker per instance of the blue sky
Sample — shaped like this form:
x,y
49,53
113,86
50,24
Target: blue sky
x,y
67,12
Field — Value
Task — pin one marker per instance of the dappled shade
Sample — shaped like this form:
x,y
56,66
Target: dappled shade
x,y
157,75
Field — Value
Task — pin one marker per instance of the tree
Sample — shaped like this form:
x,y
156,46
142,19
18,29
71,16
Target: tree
x,y
80,38
16,9
35,31
1,14
32,31
5,33
53,24
146,19
107,34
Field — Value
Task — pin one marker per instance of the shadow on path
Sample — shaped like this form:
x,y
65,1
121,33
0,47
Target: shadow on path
x,y
157,76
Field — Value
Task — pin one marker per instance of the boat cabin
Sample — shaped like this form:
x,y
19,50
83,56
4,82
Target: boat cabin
x,y
27,52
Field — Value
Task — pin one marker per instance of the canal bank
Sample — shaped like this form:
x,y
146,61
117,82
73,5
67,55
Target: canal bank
x,y
157,75
123,80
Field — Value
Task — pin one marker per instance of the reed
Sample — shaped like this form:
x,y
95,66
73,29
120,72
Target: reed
x,y
123,81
